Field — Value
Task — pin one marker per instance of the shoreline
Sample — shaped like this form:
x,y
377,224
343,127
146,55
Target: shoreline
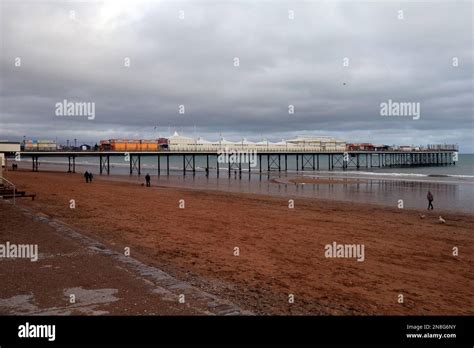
x,y
281,249
298,185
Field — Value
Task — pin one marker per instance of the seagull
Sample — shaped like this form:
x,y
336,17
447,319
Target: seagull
x,y
443,221
422,216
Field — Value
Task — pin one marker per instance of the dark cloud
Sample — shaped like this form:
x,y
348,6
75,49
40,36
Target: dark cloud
x,y
190,61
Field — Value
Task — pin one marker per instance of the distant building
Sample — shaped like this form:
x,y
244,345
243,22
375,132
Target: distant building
x,y
9,147
319,143
177,142
129,145
361,147
40,145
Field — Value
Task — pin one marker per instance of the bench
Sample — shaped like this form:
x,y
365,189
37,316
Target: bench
x,y
10,196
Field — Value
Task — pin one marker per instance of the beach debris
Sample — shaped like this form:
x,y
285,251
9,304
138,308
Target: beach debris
x,y
422,216
443,221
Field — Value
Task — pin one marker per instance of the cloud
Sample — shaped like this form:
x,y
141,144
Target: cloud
x,y
190,62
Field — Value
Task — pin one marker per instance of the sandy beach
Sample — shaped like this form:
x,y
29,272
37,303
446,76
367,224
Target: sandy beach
x,y
281,250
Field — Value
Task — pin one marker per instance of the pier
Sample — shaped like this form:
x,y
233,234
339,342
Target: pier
x,y
267,161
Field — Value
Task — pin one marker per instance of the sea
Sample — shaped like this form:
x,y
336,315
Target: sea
x,y
451,185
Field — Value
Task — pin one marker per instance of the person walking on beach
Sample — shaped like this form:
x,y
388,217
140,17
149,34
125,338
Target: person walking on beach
x,y
429,196
90,177
86,176
147,179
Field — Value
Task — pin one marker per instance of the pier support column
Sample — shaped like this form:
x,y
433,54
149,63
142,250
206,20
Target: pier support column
x,y
306,161
207,165
168,165
274,162
104,164
134,164
297,164
33,163
159,165
317,160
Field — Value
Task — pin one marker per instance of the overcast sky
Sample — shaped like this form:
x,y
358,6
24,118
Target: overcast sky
x,y
79,56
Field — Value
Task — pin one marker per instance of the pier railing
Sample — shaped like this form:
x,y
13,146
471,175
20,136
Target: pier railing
x,y
8,184
263,150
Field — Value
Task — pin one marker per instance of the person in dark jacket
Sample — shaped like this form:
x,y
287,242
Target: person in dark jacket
x,y
429,196
86,176
90,177
147,179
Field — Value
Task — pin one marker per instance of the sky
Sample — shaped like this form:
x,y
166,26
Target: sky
x,y
335,62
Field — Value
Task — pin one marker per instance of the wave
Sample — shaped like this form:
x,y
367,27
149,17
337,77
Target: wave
x,y
416,175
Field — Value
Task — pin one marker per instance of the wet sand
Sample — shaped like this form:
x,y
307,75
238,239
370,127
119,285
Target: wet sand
x,y
281,249
309,180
